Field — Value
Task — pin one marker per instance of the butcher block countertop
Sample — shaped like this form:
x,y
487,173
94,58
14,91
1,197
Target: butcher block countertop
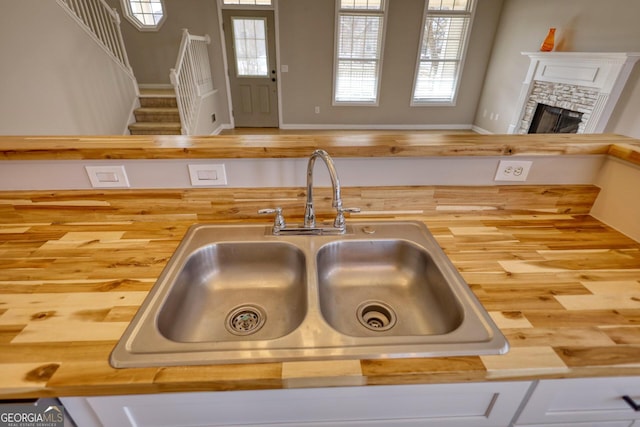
x,y
75,266
352,144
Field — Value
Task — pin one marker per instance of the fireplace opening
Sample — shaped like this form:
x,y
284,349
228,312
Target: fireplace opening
x,y
548,119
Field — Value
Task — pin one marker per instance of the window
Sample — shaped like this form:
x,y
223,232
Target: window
x,y
442,48
146,15
250,44
247,2
358,51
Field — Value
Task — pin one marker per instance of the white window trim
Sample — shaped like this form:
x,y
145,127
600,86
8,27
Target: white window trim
x,y
385,7
248,6
128,14
456,90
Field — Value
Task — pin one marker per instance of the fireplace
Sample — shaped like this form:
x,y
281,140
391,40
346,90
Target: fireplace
x,y
579,88
548,119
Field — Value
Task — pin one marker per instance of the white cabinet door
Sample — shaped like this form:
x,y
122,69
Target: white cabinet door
x,y
581,400
442,405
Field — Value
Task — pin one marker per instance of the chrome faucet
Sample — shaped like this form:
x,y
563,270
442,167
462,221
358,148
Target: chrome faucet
x,y
309,224
309,214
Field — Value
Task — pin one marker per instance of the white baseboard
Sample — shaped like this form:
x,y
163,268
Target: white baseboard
x,y
221,127
480,130
374,127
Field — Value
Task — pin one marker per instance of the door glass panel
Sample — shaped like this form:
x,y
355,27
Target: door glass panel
x,y
250,42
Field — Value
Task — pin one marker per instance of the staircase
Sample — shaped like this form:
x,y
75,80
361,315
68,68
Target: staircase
x,y
158,113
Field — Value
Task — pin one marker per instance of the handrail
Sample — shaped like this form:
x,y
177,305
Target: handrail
x,y
103,24
191,77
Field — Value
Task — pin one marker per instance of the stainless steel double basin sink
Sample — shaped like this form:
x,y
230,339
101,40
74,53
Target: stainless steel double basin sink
x,y
239,294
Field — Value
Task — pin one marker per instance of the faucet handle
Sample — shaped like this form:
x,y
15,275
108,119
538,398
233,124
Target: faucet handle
x,y
339,222
349,210
278,222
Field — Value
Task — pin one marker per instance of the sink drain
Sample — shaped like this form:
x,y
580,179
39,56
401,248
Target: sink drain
x,y
245,320
376,316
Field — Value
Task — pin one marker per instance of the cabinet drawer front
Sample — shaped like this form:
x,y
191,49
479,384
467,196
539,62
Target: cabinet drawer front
x,y
442,405
575,400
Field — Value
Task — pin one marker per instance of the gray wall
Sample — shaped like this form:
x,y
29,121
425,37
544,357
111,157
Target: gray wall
x,y
55,78
153,53
307,48
42,93
582,25
306,30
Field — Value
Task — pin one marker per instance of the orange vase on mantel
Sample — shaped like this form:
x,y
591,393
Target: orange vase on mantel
x,y
547,44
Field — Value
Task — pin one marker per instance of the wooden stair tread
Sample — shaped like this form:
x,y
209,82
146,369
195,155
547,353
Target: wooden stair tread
x,y
154,93
157,114
162,125
157,109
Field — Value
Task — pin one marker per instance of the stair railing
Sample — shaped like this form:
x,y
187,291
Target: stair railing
x,y
191,78
103,24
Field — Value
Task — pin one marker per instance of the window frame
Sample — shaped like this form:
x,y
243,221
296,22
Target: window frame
x,y
383,12
271,6
452,100
130,16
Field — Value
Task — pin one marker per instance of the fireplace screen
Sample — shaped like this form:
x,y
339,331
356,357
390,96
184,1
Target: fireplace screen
x,y
548,119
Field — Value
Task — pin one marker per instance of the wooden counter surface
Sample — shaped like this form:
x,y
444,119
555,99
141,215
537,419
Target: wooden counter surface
x,y
346,145
75,266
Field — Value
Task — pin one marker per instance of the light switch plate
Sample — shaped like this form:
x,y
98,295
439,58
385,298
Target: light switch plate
x,y
207,175
107,176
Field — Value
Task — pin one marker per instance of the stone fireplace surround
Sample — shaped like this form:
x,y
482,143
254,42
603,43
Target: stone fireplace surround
x,y
588,82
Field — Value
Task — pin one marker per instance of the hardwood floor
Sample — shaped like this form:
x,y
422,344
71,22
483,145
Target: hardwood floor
x,y
278,131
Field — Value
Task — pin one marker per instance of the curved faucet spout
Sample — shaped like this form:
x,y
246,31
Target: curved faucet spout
x,y
309,225
309,214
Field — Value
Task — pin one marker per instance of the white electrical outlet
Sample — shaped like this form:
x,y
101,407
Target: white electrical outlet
x,y
207,175
107,176
513,170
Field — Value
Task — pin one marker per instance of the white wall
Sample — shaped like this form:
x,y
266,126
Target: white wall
x,y
255,173
618,203
207,106
55,78
626,121
582,25
153,53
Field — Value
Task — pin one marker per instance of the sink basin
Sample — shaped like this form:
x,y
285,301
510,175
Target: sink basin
x,y
384,288
239,294
226,291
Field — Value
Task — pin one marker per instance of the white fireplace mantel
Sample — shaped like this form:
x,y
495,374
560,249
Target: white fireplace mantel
x,y
603,73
